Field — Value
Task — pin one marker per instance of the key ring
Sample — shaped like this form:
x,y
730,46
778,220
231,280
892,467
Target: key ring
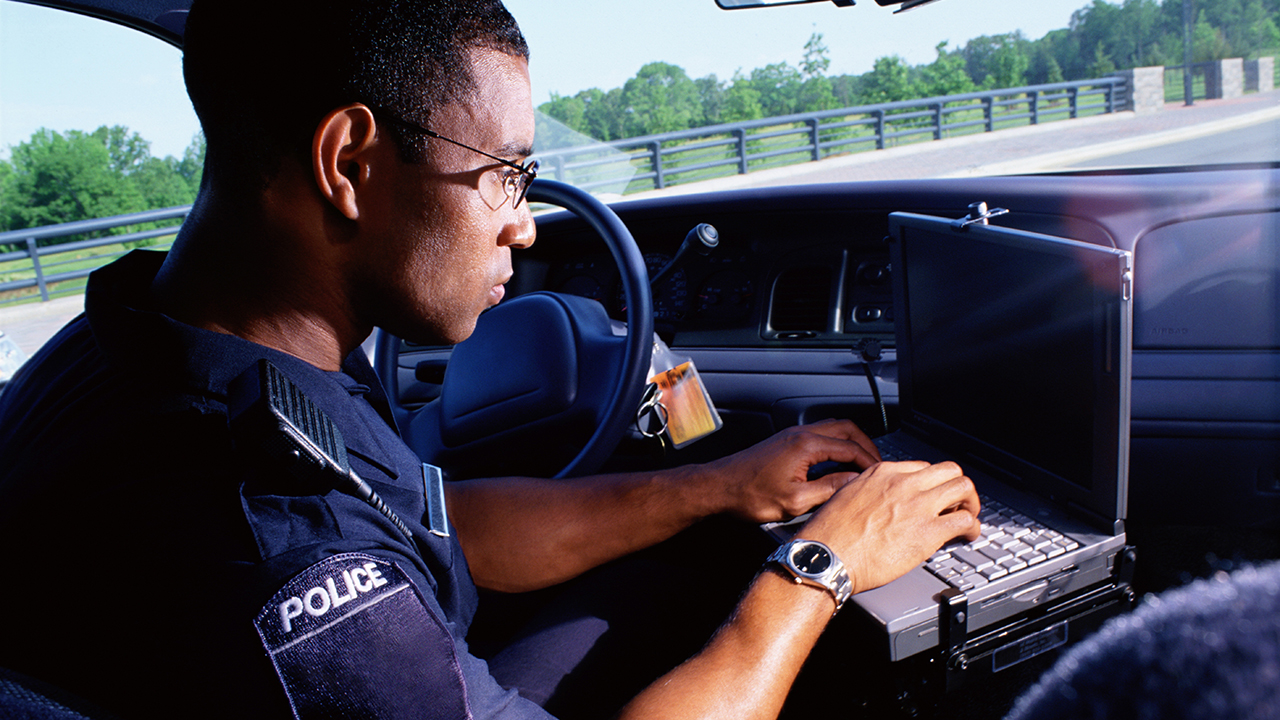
x,y
652,413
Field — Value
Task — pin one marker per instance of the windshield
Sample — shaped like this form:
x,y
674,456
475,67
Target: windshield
x,y
696,95
684,92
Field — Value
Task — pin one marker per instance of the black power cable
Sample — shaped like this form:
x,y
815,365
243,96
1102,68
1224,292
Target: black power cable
x,y
868,351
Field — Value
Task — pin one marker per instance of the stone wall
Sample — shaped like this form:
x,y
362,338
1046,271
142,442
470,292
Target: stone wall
x,y
1144,89
1260,75
1224,79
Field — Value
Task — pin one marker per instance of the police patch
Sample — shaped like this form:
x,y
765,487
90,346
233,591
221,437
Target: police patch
x,y
350,637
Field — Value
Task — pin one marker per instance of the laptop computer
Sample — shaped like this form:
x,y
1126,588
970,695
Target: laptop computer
x,y
1013,356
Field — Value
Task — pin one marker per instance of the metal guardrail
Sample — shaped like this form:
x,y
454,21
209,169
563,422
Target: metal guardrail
x,y
662,160
659,161
47,273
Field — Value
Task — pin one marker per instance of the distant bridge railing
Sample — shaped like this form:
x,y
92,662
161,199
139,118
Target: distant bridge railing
x,y
659,161
54,269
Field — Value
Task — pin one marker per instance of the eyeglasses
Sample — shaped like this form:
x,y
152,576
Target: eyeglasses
x,y
515,180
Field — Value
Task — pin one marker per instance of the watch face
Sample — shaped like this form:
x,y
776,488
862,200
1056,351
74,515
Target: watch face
x,y
811,559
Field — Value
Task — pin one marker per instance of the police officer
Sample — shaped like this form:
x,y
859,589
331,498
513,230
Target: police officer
x,y
167,572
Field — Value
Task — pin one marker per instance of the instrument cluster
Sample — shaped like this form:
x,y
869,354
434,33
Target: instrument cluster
x,y
713,291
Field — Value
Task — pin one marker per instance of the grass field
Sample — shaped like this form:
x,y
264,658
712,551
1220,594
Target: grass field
x,y
63,263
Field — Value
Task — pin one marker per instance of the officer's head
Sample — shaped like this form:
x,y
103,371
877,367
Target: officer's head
x,y
262,73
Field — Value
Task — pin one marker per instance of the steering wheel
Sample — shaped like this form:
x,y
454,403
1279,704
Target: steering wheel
x,y
541,372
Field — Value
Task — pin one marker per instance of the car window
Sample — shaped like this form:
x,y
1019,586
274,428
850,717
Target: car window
x,y
85,133
55,74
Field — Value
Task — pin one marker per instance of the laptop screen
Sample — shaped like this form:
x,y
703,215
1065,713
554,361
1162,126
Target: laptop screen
x,y
1012,348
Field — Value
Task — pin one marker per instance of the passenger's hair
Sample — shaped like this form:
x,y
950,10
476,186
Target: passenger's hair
x,y
1209,651
262,73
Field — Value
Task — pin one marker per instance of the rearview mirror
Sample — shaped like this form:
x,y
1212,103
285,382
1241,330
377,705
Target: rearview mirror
x,y
739,4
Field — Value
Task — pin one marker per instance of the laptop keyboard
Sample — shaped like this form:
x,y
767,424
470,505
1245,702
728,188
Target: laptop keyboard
x,y
1010,542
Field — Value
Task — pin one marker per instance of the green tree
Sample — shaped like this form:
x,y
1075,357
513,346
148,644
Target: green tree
x,y
816,60
711,96
6,183
946,75
815,95
1247,27
191,166
570,110
592,112
160,183
815,92
1044,66
1207,42
59,178
778,86
660,98
1137,36
128,151
62,177
1008,65
1102,65
605,114
845,89
989,59
888,81
741,101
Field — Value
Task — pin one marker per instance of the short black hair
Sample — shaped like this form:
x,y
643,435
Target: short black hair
x,y
1207,651
261,74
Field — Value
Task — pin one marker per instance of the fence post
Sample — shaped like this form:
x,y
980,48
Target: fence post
x,y
741,135
558,164
35,262
989,112
816,150
655,150
937,121
1035,107
1073,102
879,129
1111,97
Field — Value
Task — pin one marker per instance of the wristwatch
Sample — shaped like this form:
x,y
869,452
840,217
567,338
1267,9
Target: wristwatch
x,y
813,562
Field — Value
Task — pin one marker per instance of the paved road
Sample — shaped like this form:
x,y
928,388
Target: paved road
x,y
1254,143
32,324
1238,130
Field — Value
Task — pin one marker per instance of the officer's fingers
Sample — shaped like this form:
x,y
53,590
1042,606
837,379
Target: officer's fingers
x,y
958,523
957,493
808,495
847,430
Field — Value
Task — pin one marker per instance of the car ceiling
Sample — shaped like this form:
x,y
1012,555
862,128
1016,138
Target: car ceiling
x,y
162,18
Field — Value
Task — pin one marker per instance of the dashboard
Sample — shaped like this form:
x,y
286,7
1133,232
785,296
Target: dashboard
x,y
795,267
802,276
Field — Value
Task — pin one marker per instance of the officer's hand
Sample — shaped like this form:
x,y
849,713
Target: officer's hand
x,y
768,482
894,516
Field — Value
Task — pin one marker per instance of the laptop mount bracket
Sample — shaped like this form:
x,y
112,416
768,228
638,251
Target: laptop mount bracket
x,y
953,607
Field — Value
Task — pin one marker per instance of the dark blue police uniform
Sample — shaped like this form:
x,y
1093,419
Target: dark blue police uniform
x,y
156,567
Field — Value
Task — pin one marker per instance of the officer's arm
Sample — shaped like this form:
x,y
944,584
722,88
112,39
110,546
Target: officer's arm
x,y
523,533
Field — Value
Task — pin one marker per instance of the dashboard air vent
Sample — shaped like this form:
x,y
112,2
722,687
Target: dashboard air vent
x,y
801,299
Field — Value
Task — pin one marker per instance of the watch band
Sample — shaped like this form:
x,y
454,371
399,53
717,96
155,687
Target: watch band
x,y
813,562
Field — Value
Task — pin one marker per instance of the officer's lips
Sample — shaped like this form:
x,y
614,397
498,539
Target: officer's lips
x,y
497,292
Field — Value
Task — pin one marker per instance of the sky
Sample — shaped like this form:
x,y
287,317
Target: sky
x,y
64,72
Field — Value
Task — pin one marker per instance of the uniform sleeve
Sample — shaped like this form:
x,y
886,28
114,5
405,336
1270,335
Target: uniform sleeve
x,y
352,636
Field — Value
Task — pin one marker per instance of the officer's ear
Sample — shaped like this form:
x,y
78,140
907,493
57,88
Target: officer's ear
x,y
341,157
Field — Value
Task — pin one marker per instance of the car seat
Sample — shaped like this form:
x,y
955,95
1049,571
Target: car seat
x,y
25,698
